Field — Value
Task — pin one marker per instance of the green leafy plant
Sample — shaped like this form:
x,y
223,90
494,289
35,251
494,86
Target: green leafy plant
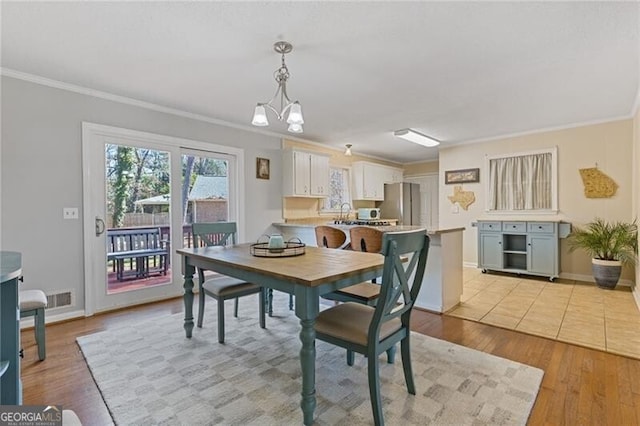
x,y
607,240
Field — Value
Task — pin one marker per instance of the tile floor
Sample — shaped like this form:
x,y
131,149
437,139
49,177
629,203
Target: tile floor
x,y
565,310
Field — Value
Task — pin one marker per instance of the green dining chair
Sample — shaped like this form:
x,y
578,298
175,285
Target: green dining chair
x,y
362,238
373,330
221,287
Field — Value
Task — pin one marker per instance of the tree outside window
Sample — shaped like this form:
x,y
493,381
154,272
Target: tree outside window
x,y
339,189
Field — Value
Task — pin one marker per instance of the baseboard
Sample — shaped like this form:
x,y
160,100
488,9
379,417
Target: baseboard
x,y
49,318
429,308
589,279
575,277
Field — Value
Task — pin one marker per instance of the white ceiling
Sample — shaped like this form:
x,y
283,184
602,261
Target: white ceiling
x,y
457,71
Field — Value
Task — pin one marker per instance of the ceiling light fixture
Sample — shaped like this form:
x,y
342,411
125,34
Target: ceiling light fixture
x,y
416,137
294,108
347,151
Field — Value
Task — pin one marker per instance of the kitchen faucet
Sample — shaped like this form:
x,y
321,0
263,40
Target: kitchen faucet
x,y
348,210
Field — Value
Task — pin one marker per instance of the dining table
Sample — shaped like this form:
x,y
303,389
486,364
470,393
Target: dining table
x,y
307,276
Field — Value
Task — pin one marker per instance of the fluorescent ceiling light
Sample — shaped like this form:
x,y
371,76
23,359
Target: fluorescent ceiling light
x,y
416,137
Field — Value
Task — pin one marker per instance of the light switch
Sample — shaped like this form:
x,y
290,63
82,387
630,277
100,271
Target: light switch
x,y
70,213
455,209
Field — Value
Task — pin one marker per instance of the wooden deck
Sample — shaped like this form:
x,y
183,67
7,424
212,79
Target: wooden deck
x,y
116,286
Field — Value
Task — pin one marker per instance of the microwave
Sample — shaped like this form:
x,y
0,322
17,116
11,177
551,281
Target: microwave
x,y
366,214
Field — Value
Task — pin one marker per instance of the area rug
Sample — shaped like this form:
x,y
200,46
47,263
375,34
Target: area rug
x,y
149,373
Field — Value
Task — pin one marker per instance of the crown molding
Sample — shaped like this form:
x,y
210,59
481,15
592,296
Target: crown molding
x,y
7,72
339,150
536,131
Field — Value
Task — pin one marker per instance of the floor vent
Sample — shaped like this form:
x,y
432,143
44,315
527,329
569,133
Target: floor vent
x,y
59,300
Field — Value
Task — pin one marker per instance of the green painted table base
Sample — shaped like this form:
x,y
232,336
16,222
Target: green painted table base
x,y
307,297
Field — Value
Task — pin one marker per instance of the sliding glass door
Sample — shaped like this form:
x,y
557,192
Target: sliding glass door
x,y
136,212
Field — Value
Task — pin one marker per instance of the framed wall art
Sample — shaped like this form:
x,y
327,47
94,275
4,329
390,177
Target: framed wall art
x,y
462,176
262,168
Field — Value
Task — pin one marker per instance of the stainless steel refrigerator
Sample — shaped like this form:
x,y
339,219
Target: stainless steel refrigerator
x,y
402,202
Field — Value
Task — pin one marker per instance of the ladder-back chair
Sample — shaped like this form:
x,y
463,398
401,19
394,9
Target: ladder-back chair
x,y
222,287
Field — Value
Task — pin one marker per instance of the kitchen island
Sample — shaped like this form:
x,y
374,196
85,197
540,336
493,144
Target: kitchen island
x,y
442,282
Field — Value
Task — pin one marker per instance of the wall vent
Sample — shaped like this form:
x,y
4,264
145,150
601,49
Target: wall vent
x,y
59,300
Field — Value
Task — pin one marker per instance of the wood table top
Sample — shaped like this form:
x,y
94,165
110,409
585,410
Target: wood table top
x,y
316,267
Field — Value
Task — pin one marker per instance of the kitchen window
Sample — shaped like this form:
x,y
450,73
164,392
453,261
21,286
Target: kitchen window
x,y
339,189
523,182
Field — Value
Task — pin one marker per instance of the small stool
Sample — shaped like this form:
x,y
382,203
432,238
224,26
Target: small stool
x,y
32,303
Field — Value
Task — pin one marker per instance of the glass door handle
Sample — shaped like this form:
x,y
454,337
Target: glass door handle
x,y
99,226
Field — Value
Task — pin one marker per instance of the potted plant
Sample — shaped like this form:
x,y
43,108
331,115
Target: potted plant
x,y
610,244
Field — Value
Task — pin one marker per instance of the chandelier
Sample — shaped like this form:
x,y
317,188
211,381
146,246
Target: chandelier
x,y
294,119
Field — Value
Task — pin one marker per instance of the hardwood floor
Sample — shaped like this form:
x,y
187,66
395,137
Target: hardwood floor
x,y
580,386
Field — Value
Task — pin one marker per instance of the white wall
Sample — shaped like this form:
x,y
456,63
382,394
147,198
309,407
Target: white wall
x,y
41,172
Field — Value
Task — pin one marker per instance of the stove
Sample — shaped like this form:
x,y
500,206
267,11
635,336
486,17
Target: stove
x,y
362,222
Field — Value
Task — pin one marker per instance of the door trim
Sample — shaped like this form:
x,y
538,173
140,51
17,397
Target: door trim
x,y
93,133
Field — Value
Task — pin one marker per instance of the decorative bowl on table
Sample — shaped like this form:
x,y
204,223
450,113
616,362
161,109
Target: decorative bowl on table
x,y
279,248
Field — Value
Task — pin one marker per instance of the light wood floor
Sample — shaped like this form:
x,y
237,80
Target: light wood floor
x,y
569,311
580,386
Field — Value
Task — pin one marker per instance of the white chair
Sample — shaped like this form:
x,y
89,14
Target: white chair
x,y
32,303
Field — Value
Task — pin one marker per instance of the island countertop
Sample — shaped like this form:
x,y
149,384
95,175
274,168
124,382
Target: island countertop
x,y
389,228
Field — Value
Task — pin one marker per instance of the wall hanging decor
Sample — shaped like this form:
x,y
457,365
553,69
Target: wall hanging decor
x,y
262,168
597,184
462,176
463,198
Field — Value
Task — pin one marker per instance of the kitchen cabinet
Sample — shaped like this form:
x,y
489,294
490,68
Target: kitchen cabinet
x,y
305,174
521,247
369,180
10,274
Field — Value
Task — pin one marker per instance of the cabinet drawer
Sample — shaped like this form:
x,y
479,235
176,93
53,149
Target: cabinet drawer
x,y
494,226
514,227
541,227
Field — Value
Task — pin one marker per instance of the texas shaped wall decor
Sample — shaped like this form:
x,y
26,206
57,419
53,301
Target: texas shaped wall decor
x,y
463,198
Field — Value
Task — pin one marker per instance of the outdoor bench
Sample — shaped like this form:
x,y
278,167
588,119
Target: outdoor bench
x,y
143,246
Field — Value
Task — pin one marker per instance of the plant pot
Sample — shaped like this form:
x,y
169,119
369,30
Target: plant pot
x,y
606,272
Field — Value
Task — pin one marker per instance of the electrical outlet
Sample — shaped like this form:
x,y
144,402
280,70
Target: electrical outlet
x,y
70,213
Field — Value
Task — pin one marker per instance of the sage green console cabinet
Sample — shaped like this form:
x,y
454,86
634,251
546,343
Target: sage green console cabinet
x,y
521,247
10,273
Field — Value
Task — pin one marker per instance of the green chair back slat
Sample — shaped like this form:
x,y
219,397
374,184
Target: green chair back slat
x,y
397,294
214,234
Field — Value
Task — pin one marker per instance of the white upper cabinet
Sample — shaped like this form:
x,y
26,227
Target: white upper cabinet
x,y
395,175
319,175
305,174
369,180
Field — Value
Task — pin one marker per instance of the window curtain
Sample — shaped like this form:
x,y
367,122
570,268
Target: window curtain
x,y
520,183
